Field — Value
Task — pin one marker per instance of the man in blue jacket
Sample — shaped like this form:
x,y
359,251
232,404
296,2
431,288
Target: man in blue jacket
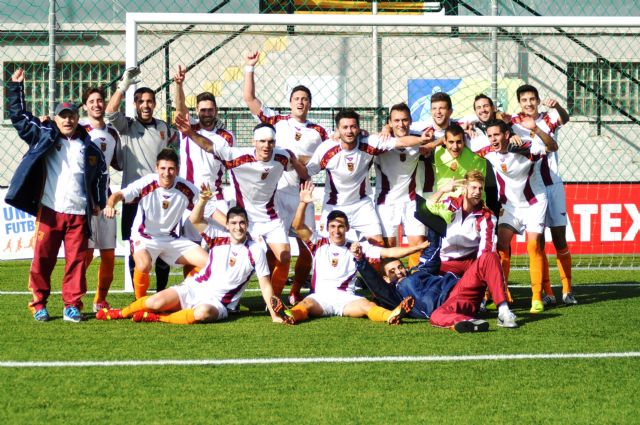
x,y
62,181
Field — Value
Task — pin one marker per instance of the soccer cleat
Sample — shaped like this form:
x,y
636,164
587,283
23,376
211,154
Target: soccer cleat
x,y
41,315
109,314
100,306
72,314
536,307
568,299
507,320
549,300
282,311
401,311
145,316
473,325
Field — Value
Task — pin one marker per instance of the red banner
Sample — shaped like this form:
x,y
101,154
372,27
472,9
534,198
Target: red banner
x,y
603,219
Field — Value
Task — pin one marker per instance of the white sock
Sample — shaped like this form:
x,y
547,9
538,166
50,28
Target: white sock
x,y
503,308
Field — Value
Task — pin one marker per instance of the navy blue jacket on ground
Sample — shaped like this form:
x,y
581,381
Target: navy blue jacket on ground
x,y
27,184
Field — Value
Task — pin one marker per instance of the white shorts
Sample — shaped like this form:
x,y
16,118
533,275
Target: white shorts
x,y
334,302
391,216
190,232
270,231
287,204
103,232
166,247
521,219
557,206
193,294
362,217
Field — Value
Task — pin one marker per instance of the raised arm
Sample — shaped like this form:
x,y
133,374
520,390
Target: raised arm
x,y
28,127
178,78
184,126
564,115
298,224
197,217
249,87
128,78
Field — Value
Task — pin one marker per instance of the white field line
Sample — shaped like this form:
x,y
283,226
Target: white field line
x,y
120,291
306,360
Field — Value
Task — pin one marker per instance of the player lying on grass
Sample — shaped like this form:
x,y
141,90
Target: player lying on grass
x,y
162,198
334,272
468,250
206,297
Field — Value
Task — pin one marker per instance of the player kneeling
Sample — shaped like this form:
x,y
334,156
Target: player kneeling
x,y
334,272
217,288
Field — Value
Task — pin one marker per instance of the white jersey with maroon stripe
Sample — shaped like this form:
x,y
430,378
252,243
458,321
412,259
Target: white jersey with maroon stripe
x,y
549,122
334,267
199,166
396,175
230,266
470,235
255,181
347,171
106,138
518,177
300,138
159,210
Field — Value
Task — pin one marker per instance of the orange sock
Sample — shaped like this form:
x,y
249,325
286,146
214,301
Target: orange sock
x,y
546,280
105,275
279,277
189,270
302,270
140,283
505,262
181,317
378,314
535,268
564,267
300,312
137,305
414,259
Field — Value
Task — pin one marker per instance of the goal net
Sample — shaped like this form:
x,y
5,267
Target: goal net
x,y
590,66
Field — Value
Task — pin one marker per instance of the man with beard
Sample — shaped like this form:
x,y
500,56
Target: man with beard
x,y
197,165
142,137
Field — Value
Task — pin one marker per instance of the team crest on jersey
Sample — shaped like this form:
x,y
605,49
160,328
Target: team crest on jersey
x,y
103,144
232,260
298,136
403,157
501,213
350,165
265,174
334,260
162,135
93,160
503,167
453,166
165,204
40,235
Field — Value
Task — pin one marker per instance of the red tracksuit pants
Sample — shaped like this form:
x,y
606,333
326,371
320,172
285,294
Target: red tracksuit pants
x,y
464,299
52,229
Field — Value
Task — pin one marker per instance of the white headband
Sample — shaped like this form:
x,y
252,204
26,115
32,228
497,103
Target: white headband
x,y
264,133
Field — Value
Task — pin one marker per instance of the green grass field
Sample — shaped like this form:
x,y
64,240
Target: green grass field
x,y
439,381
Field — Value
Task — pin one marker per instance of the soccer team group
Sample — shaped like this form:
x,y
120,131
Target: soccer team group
x,y
485,178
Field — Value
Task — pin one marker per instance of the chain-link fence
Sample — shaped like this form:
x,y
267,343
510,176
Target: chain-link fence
x,y
594,73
